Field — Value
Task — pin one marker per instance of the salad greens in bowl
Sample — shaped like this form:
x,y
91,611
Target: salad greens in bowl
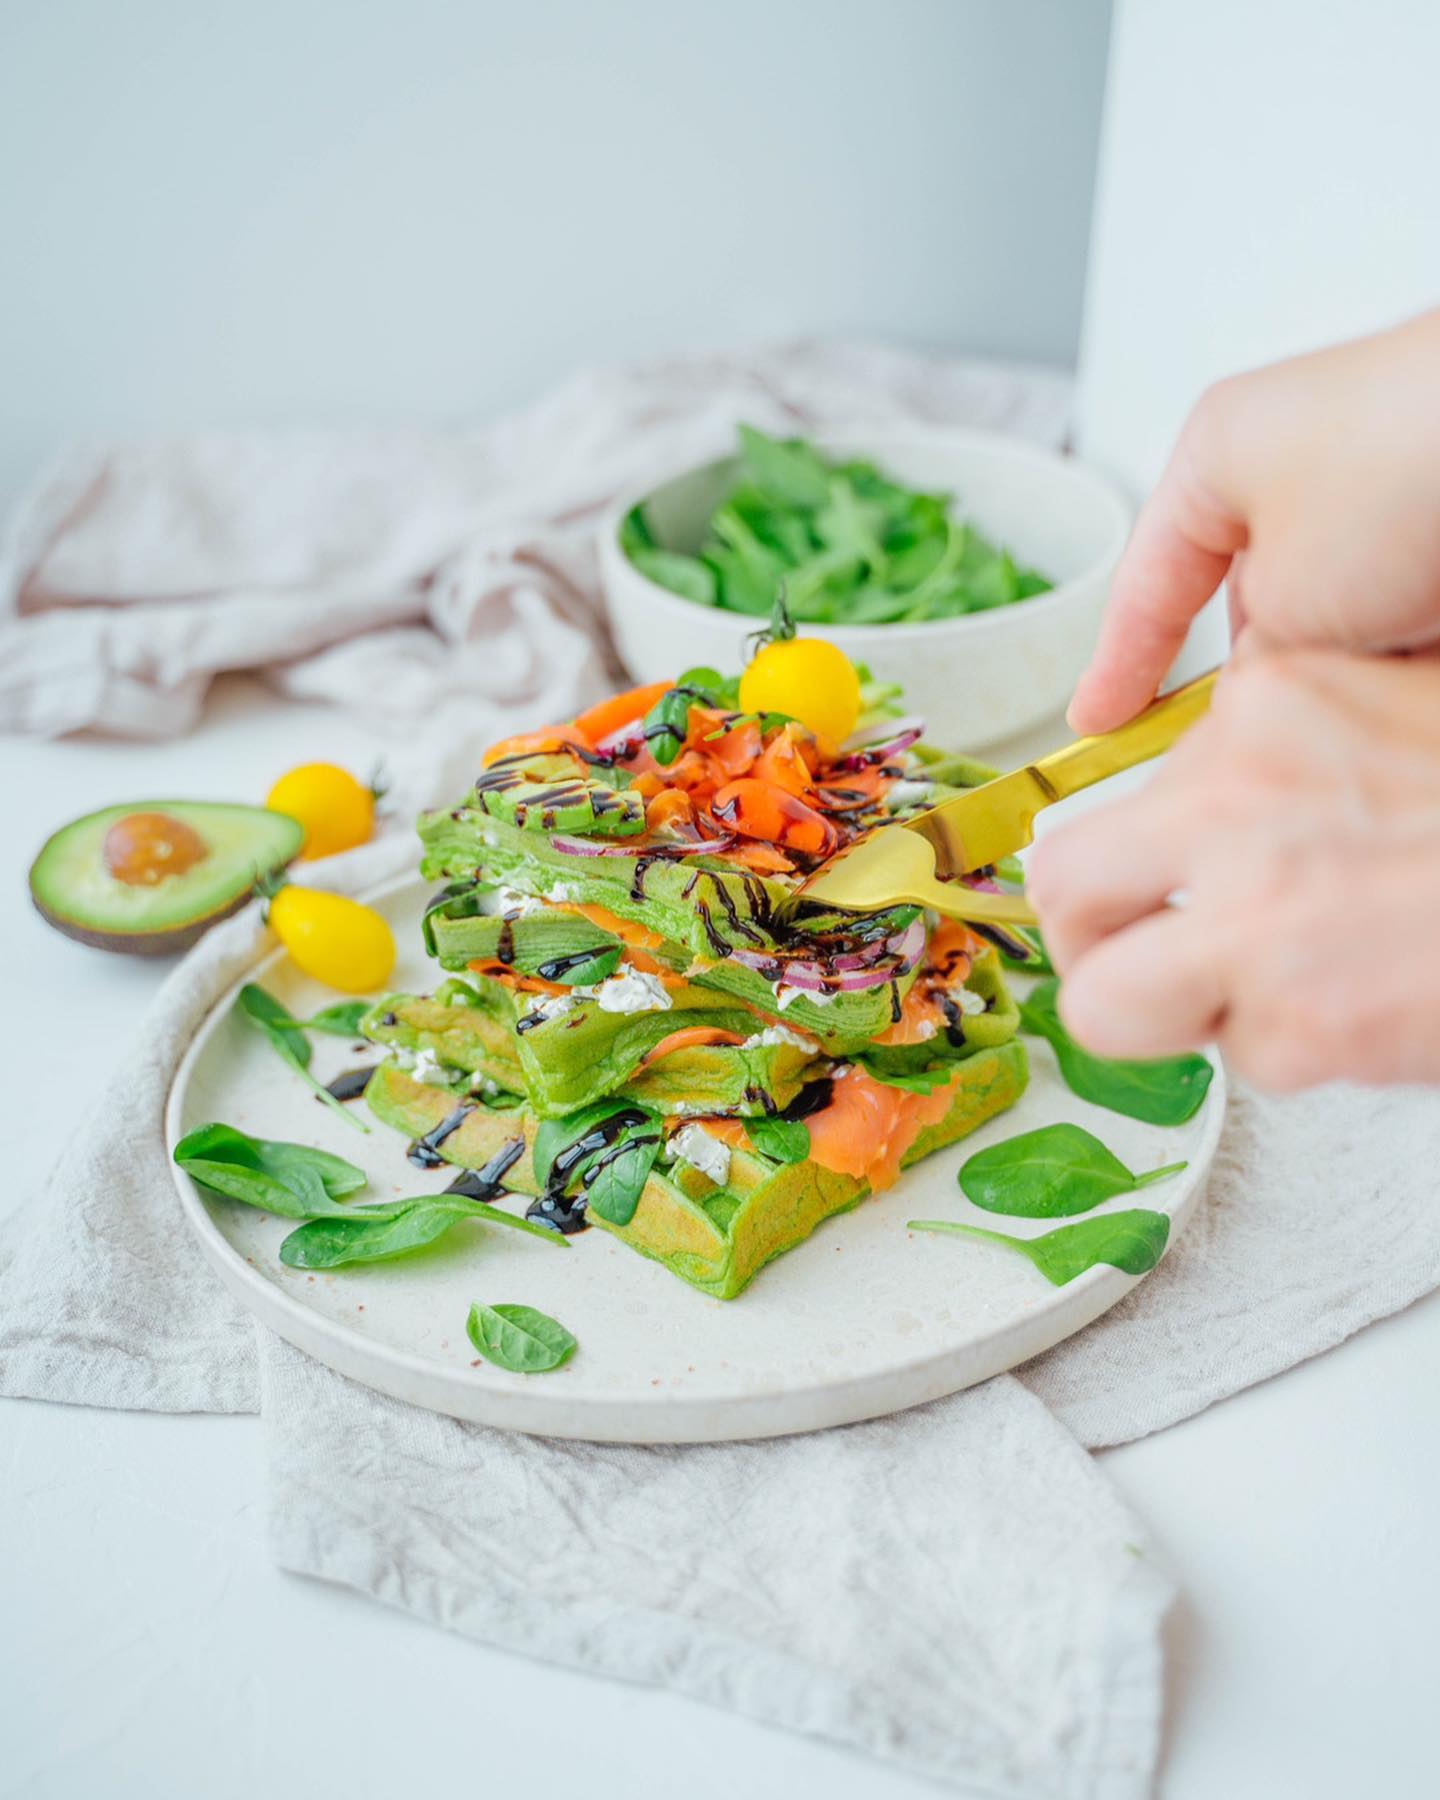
x,y
840,542
967,566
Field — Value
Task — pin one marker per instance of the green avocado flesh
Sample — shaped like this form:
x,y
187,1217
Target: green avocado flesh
x,y
716,1238
75,892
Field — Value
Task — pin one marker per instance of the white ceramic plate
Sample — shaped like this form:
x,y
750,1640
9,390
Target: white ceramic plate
x,y
862,1319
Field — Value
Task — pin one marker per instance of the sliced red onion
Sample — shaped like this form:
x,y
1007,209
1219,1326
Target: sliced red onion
x,y
910,727
909,944
572,846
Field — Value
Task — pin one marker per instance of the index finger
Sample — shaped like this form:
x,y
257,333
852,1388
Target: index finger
x,y
1178,554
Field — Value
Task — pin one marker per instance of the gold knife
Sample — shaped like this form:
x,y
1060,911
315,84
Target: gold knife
x,y
917,863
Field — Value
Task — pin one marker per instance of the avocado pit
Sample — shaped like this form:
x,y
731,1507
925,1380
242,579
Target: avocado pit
x,y
144,848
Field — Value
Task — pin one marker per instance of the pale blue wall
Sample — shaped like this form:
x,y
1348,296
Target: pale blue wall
x,y
284,211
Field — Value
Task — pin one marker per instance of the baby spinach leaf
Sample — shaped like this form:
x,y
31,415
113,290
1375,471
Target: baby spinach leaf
x,y
914,1080
375,1234
1166,1091
685,575
287,1037
554,1135
782,1140
1131,1241
293,1181
1050,1174
1037,962
341,1020
787,470
609,1155
616,1179
519,1338
635,532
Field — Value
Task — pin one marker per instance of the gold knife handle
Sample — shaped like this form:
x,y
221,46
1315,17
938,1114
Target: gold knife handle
x,y
1091,759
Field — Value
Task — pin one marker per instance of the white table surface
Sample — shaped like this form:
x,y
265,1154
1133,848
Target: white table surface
x,y
148,1647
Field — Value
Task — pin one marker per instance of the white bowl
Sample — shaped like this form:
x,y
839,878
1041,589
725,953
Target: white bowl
x,y
976,679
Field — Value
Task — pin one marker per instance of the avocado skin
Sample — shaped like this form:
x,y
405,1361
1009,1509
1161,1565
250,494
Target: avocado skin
x,y
168,940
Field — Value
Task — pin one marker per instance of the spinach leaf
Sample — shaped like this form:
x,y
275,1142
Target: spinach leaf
x,y
554,1135
1132,1241
635,532
341,1020
287,1037
1166,1091
291,1180
782,1140
374,1234
519,1338
610,1156
685,575
668,720
786,470
1038,961
616,1179
914,1080
1050,1174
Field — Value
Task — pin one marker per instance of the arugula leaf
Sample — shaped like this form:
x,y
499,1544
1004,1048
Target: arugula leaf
x,y
1051,1173
375,1234
293,1181
782,1140
1166,1091
519,1338
287,1036
341,1020
1131,1241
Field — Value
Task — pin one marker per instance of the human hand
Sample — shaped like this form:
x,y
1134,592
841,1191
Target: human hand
x,y
1314,486
1301,822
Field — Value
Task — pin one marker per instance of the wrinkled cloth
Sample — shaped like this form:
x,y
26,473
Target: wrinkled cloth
x,y
440,581
955,1589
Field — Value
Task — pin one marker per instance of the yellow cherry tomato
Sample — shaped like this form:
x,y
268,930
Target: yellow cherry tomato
x,y
337,811
809,679
335,939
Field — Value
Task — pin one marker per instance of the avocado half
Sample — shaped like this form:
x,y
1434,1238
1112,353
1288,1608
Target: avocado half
x,y
74,891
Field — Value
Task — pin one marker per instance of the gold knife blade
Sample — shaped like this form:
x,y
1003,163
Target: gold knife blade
x,y
978,828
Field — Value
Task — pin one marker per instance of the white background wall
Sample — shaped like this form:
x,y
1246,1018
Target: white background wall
x,y
1269,182
290,211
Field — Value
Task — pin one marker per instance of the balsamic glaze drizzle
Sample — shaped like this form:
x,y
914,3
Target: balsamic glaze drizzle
x,y
425,1151
351,1085
484,1183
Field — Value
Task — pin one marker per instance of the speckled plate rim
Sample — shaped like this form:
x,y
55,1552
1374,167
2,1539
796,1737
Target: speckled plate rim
x,y
488,1397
